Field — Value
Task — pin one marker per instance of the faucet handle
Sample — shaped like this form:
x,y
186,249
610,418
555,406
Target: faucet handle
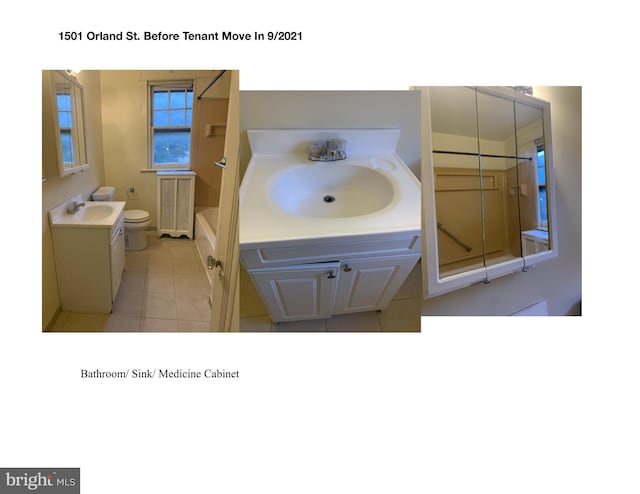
x,y
316,148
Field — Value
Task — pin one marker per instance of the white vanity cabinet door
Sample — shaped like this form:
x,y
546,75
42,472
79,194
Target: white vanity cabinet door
x,y
83,268
370,284
117,259
298,292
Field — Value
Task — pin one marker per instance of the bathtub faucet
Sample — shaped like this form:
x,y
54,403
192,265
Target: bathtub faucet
x,y
330,150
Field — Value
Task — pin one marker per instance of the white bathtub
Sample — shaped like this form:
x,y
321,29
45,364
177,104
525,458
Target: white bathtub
x,y
205,234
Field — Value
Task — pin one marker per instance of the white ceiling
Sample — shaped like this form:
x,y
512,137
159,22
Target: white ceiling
x,y
453,111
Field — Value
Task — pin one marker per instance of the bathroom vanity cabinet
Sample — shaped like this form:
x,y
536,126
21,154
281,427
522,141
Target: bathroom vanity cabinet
x,y
89,265
319,280
325,238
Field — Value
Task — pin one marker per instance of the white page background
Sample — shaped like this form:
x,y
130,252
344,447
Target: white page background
x,y
468,405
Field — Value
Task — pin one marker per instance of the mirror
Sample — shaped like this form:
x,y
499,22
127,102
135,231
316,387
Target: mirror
x,y
64,124
486,170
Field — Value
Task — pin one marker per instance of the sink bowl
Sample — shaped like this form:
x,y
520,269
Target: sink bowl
x,y
92,215
92,212
331,190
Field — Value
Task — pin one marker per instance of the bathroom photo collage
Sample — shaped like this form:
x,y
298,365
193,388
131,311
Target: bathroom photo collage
x,y
175,201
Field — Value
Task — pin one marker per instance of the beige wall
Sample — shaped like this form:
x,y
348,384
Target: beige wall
x,y
334,109
209,147
57,189
124,113
559,281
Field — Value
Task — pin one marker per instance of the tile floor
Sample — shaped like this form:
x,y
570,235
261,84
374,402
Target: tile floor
x,y
164,288
401,315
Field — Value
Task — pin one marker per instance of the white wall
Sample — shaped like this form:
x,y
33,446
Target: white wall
x,y
334,109
559,281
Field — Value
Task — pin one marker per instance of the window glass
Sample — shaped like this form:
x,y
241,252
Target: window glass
x,y
171,147
171,112
67,146
542,189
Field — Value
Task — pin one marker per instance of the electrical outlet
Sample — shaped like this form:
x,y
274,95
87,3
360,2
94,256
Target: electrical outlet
x,y
132,193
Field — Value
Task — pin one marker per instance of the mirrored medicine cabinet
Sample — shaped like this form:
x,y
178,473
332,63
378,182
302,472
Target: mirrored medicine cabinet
x,y
63,136
488,186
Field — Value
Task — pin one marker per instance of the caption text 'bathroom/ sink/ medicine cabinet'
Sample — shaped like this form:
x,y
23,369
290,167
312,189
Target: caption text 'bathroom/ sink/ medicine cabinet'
x,y
63,139
488,199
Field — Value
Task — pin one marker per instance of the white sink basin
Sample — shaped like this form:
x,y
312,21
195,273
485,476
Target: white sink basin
x,y
92,214
286,198
331,190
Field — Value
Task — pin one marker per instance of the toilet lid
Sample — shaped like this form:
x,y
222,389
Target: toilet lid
x,y
135,216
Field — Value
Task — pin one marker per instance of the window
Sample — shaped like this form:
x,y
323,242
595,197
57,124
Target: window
x,y
65,122
171,105
542,186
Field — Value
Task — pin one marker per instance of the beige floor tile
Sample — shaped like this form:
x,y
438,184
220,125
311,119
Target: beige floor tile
x,y
160,305
135,261
158,325
60,321
358,322
154,243
260,324
193,326
160,264
193,307
80,321
185,255
401,316
197,283
160,282
182,248
186,265
159,256
128,303
116,323
133,281
311,326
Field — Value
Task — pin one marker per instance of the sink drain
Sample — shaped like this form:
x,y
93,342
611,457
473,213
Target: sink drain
x,y
328,198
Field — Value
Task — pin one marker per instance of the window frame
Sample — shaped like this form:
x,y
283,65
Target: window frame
x,y
542,224
153,131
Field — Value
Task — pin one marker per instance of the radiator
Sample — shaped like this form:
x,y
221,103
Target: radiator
x,y
176,190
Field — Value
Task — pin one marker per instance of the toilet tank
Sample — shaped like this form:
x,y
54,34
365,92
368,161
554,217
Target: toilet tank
x,y
104,194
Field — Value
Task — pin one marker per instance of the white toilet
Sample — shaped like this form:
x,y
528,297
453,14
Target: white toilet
x,y
135,220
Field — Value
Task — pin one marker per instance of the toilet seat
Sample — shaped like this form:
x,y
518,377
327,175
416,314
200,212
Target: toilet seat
x,y
135,216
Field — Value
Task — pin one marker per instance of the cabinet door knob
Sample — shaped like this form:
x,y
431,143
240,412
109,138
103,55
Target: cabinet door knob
x,y
346,268
331,275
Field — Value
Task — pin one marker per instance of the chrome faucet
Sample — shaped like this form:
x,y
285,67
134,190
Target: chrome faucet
x,y
74,206
330,150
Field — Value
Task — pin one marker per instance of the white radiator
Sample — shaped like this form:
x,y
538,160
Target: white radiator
x,y
176,191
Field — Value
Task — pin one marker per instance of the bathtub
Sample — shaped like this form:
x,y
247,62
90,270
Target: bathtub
x,y
205,234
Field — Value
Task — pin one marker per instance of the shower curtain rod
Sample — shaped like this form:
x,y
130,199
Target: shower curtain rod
x,y
483,155
215,79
